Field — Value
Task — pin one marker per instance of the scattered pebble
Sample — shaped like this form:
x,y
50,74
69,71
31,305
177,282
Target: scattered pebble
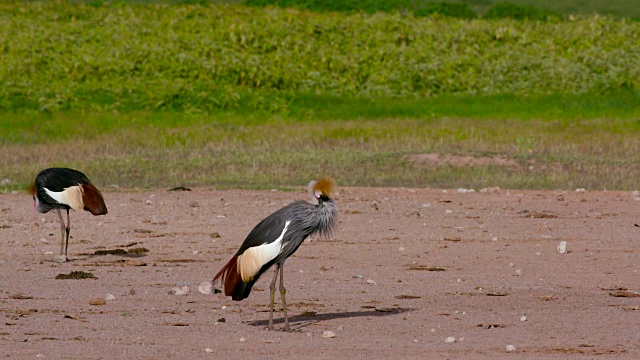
x,y
39,356
523,318
518,272
636,195
450,340
224,307
195,252
110,297
242,339
328,334
581,190
560,197
358,276
132,292
205,287
562,247
97,301
495,238
464,191
401,248
340,328
43,240
448,211
415,340
60,258
48,252
194,204
490,190
511,348
179,290
371,282
209,350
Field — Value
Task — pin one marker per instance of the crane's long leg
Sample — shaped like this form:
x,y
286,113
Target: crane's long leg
x,y
272,288
283,292
66,246
62,231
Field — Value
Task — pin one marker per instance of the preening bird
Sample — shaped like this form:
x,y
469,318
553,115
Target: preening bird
x,y
276,238
62,188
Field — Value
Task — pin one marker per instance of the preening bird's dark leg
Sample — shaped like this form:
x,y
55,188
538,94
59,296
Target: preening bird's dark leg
x,y
272,288
68,231
283,292
62,231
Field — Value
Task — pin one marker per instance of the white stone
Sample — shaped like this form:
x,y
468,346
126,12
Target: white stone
x,y
518,272
242,340
562,247
110,297
523,318
328,334
179,290
60,258
448,211
209,350
401,248
581,190
205,287
371,282
450,340
511,348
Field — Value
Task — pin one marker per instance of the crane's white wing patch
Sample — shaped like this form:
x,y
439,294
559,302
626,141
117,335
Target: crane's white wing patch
x,y
71,196
254,258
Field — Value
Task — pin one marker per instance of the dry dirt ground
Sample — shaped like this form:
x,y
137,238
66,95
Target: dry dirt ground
x,y
406,270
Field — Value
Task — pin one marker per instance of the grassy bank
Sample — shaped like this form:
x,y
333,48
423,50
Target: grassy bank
x,y
168,149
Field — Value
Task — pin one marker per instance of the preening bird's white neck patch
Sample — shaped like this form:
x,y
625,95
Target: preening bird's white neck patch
x,y
254,258
71,196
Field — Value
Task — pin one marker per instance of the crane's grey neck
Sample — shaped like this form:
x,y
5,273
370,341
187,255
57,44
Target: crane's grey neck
x,y
327,217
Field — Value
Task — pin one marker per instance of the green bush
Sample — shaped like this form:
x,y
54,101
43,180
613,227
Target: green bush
x,y
193,58
520,12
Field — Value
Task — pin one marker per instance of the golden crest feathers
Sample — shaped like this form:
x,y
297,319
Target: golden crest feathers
x,y
324,185
32,189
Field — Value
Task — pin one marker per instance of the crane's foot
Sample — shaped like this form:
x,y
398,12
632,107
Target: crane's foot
x,y
60,258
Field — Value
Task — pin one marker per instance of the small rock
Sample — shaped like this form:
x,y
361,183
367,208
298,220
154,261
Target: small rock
x,y
495,238
340,328
208,350
464,191
371,282
243,340
401,248
538,253
194,204
109,297
518,272
511,348
450,340
48,252
60,258
358,276
523,318
179,290
635,195
448,211
560,197
214,235
39,356
98,302
132,292
562,247
221,320
205,287
374,206
581,190
328,334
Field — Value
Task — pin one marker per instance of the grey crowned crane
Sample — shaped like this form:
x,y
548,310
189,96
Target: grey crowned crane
x,y
276,238
65,189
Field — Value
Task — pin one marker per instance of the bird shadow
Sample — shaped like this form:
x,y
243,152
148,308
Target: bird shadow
x,y
298,322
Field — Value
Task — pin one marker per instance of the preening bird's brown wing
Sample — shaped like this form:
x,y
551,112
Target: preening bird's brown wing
x,y
93,200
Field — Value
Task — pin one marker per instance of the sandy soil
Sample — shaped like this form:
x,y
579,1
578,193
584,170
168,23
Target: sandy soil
x,y
407,269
